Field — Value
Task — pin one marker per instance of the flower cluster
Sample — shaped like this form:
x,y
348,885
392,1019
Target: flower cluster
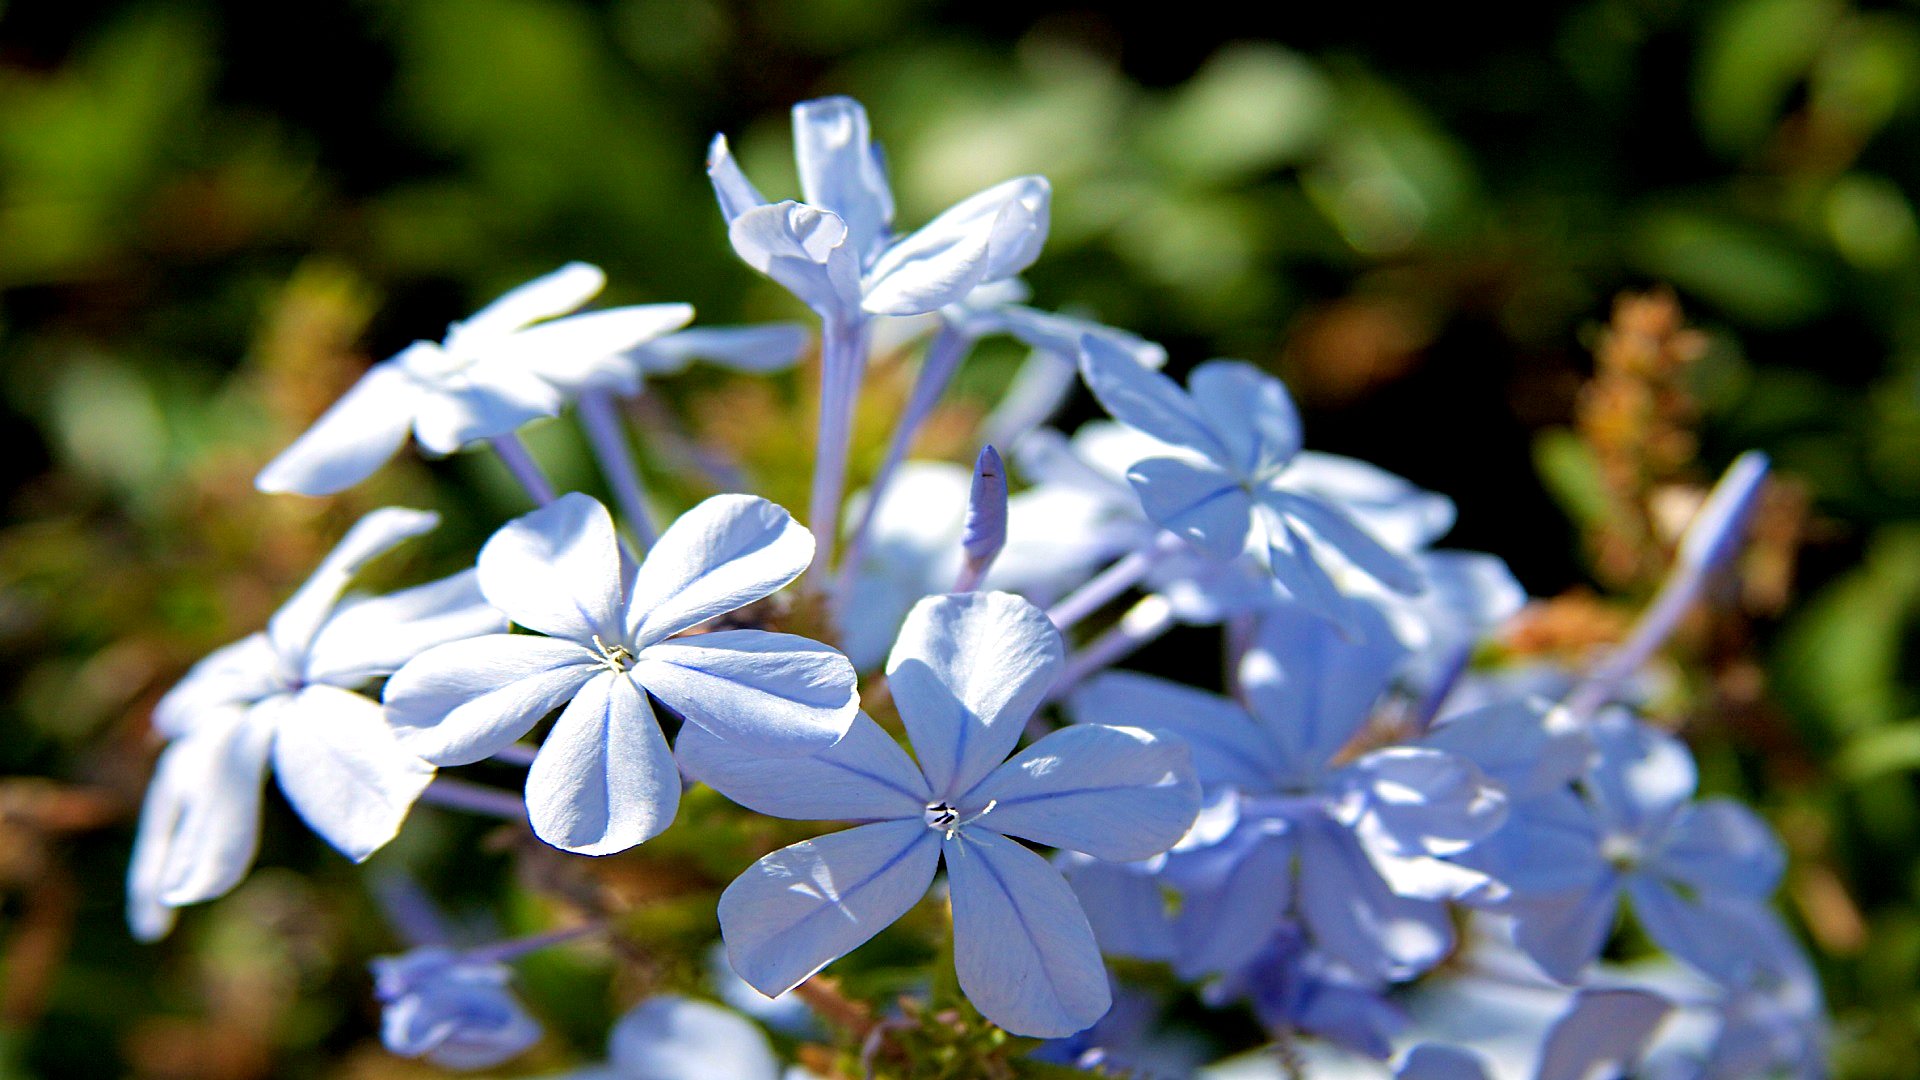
x,y
1358,834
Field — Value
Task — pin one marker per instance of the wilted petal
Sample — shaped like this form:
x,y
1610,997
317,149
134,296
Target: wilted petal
x,y
458,703
864,776
1603,1033
1227,747
989,236
1021,945
804,906
557,570
222,770
719,556
293,627
773,694
840,169
544,297
1249,412
237,674
344,772
374,636
1147,401
1116,793
1196,501
676,1038
352,439
604,779
803,248
967,672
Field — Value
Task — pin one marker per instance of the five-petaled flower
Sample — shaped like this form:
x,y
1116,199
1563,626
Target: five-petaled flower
x,y
966,673
491,374
286,695
604,779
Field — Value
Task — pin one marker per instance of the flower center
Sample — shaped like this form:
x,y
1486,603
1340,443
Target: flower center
x,y
616,656
944,818
1621,851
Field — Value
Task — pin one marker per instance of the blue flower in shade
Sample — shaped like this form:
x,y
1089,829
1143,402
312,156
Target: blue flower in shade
x,y
1227,487
284,699
836,251
604,779
678,1038
455,1011
512,362
1295,988
966,673
1359,851
1690,868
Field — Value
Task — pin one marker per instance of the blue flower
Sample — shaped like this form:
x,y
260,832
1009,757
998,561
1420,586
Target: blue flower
x,y
678,1038
454,1011
604,779
1227,485
1360,850
1689,867
286,697
491,374
966,673
1295,988
836,251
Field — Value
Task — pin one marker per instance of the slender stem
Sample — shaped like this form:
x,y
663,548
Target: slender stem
x,y
514,455
601,422
475,798
1111,582
1142,623
517,754
502,951
943,358
843,363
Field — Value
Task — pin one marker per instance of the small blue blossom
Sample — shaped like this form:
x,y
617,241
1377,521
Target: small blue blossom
x,y
966,673
679,1038
604,779
515,360
284,699
453,1010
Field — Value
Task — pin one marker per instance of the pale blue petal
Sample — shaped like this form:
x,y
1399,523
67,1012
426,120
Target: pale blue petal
x,y
292,628
1431,1061
1702,930
1603,1033
1117,793
1060,335
806,250
989,236
763,348
351,440
1404,516
1415,801
557,570
735,192
1354,917
722,555
1249,412
1718,846
369,637
677,1038
604,779
841,171
455,1012
238,674
1125,903
177,779
493,400
222,771
966,673
773,694
1021,945
544,297
1234,896
460,702
1228,747
1548,847
1311,688
1564,933
804,906
575,353
1197,502
343,770
1299,573
1525,744
1146,400
1330,525
864,776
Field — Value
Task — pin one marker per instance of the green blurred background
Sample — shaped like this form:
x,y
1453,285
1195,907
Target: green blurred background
x,y
212,216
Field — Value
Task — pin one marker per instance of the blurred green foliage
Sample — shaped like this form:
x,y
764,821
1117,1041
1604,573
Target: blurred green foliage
x,y
211,215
